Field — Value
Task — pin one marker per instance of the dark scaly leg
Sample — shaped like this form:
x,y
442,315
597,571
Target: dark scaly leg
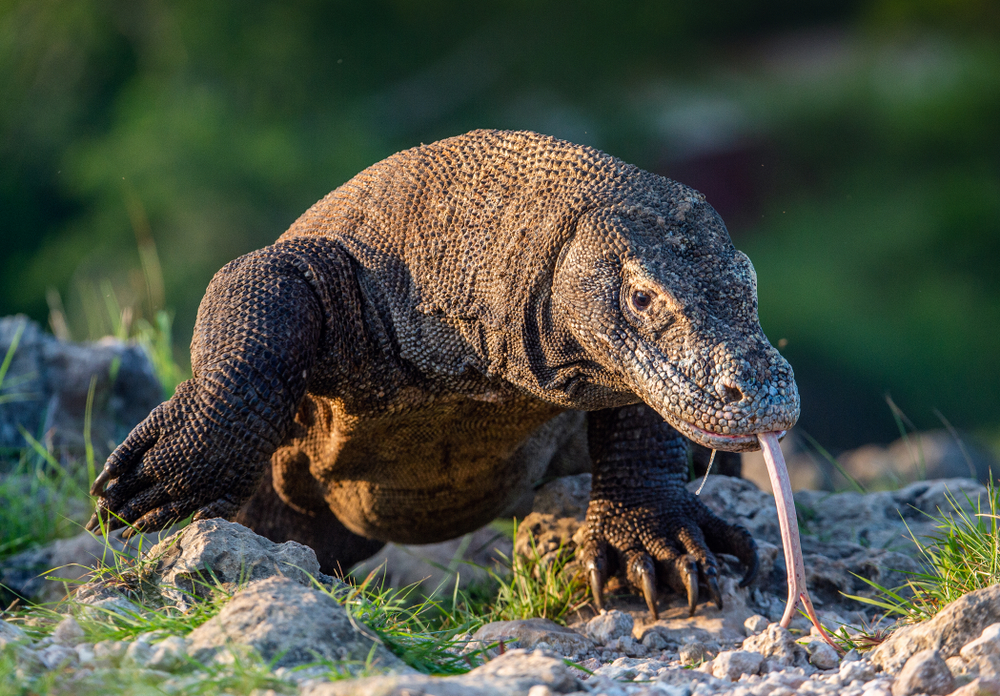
x,y
643,518
263,321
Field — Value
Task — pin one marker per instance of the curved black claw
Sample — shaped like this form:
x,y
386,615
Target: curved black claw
x,y
597,586
689,575
649,593
642,576
109,472
753,565
712,580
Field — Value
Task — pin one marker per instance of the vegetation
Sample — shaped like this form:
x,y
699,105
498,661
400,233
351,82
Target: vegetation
x,y
427,633
961,557
46,499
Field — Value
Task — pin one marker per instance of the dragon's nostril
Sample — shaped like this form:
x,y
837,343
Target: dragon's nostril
x,y
731,394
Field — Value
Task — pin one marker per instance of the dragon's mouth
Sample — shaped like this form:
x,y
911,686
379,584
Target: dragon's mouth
x,y
730,443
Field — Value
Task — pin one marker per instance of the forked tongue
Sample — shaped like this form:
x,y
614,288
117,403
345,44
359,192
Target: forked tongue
x,y
782,488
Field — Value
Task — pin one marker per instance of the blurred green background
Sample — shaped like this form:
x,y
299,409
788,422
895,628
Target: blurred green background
x,y
852,147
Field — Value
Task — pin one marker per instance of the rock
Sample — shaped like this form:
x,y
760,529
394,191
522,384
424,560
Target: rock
x,y
778,646
924,673
290,624
530,632
851,655
982,655
520,670
755,624
959,668
880,520
169,655
934,454
568,496
98,598
85,653
692,653
215,553
550,537
979,687
654,640
630,669
109,653
9,633
514,673
957,624
68,632
862,524
47,382
628,645
609,625
732,664
821,654
856,670
55,657
138,654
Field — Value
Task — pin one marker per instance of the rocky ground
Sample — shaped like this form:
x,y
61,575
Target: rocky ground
x,y
305,635
235,613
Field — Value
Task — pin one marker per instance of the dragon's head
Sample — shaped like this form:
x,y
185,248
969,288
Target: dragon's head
x,y
657,295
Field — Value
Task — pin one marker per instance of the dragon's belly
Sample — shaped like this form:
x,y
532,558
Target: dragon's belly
x,y
429,472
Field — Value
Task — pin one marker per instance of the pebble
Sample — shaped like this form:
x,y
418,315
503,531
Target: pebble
x,y
979,687
609,625
732,664
68,633
924,673
654,640
169,655
693,653
755,624
56,656
822,655
138,654
109,653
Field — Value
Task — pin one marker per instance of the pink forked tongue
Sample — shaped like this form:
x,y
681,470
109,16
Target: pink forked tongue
x,y
782,488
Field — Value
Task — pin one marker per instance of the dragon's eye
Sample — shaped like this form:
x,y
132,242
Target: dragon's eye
x,y
641,300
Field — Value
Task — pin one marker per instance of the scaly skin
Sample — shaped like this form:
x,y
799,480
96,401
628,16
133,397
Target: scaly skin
x,y
390,356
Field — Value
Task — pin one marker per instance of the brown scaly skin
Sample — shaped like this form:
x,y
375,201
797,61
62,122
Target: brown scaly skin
x,y
393,352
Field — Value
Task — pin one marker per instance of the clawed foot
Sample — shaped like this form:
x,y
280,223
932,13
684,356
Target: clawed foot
x,y
167,470
673,546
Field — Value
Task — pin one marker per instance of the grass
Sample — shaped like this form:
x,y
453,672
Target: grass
x,y
961,556
426,634
42,499
45,499
537,585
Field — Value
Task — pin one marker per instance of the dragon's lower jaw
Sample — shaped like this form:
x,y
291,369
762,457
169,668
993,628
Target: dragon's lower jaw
x,y
743,442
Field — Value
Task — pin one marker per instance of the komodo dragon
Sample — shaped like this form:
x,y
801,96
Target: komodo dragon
x,y
391,354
